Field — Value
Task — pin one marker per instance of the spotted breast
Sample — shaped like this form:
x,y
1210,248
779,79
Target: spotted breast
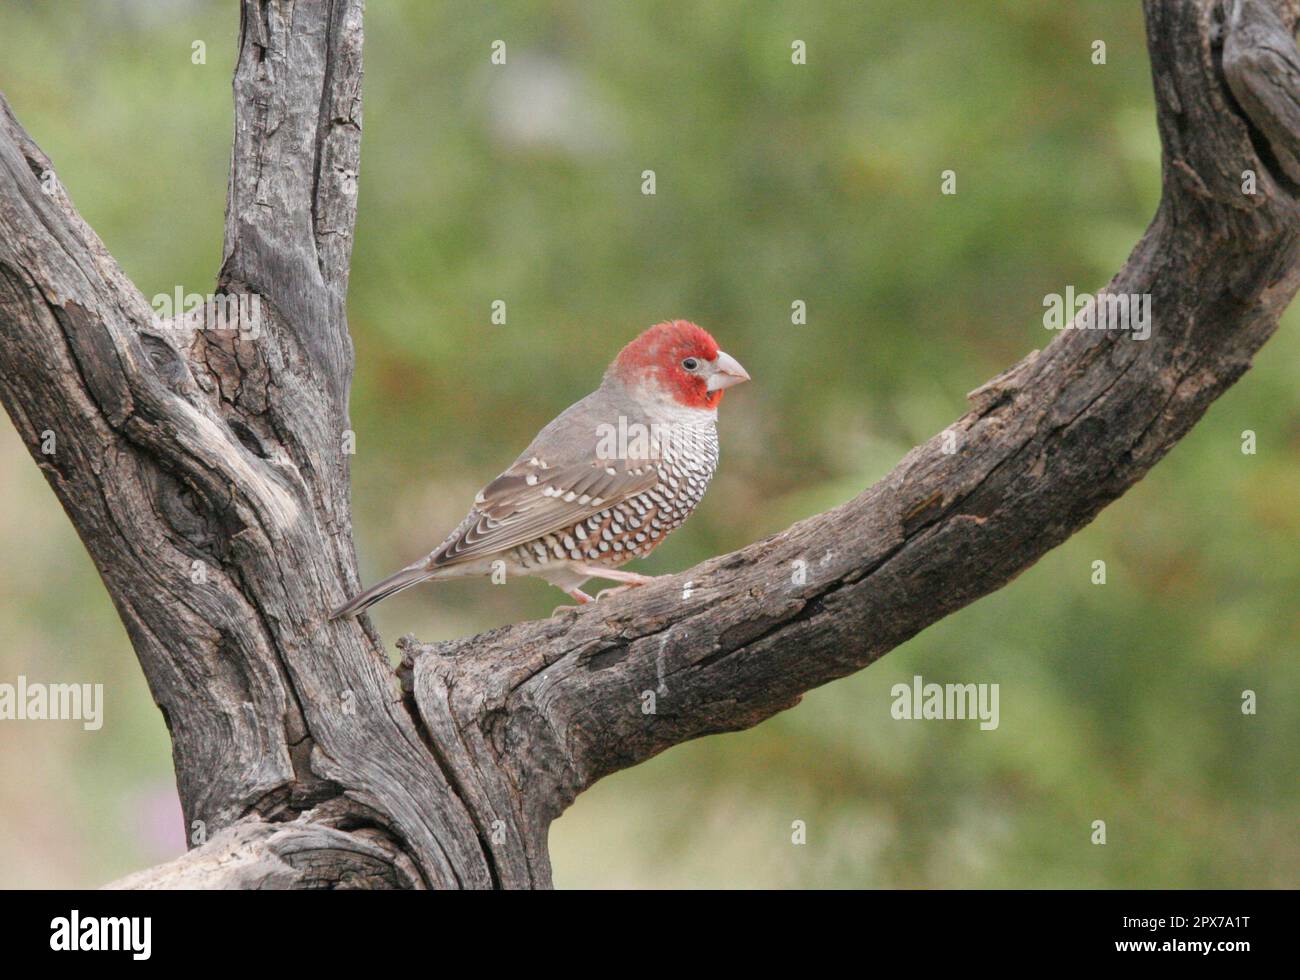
x,y
575,504
684,463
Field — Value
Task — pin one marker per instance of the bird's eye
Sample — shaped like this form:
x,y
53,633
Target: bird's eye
x,y
690,364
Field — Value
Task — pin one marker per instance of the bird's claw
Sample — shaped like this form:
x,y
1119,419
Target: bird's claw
x,y
632,581
582,600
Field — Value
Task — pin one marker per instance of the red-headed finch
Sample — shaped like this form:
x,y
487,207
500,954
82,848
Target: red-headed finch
x,y
603,483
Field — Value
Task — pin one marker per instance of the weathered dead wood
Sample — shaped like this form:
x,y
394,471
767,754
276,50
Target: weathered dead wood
x,y
294,744
203,467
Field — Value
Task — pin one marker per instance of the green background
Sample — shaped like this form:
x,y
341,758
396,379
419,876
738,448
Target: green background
x,y
775,183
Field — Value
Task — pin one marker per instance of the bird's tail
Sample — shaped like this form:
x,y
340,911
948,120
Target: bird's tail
x,y
382,590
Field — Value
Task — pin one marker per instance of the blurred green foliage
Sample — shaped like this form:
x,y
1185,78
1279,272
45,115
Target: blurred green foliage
x,y
775,182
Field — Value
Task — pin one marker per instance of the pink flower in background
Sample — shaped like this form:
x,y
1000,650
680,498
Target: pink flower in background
x,y
154,818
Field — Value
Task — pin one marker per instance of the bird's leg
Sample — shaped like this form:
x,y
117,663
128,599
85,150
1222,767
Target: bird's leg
x,y
630,580
616,575
578,596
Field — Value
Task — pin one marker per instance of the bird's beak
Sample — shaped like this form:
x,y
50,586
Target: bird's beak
x,y
726,372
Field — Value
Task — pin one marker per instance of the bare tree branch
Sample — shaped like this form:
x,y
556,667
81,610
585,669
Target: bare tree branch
x,y
304,854
200,460
292,200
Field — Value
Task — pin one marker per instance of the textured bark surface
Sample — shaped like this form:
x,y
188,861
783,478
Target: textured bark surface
x,y
186,451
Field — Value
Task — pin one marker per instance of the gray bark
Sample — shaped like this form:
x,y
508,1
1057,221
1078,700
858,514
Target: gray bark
x,y
302,760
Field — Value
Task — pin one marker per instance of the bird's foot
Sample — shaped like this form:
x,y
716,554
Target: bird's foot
x,y
578,596
630,580
616,575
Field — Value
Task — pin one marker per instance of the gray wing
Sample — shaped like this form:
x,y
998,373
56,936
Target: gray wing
x,y
557,481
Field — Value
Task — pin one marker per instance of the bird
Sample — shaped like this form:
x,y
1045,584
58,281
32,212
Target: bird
x,y
601,484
